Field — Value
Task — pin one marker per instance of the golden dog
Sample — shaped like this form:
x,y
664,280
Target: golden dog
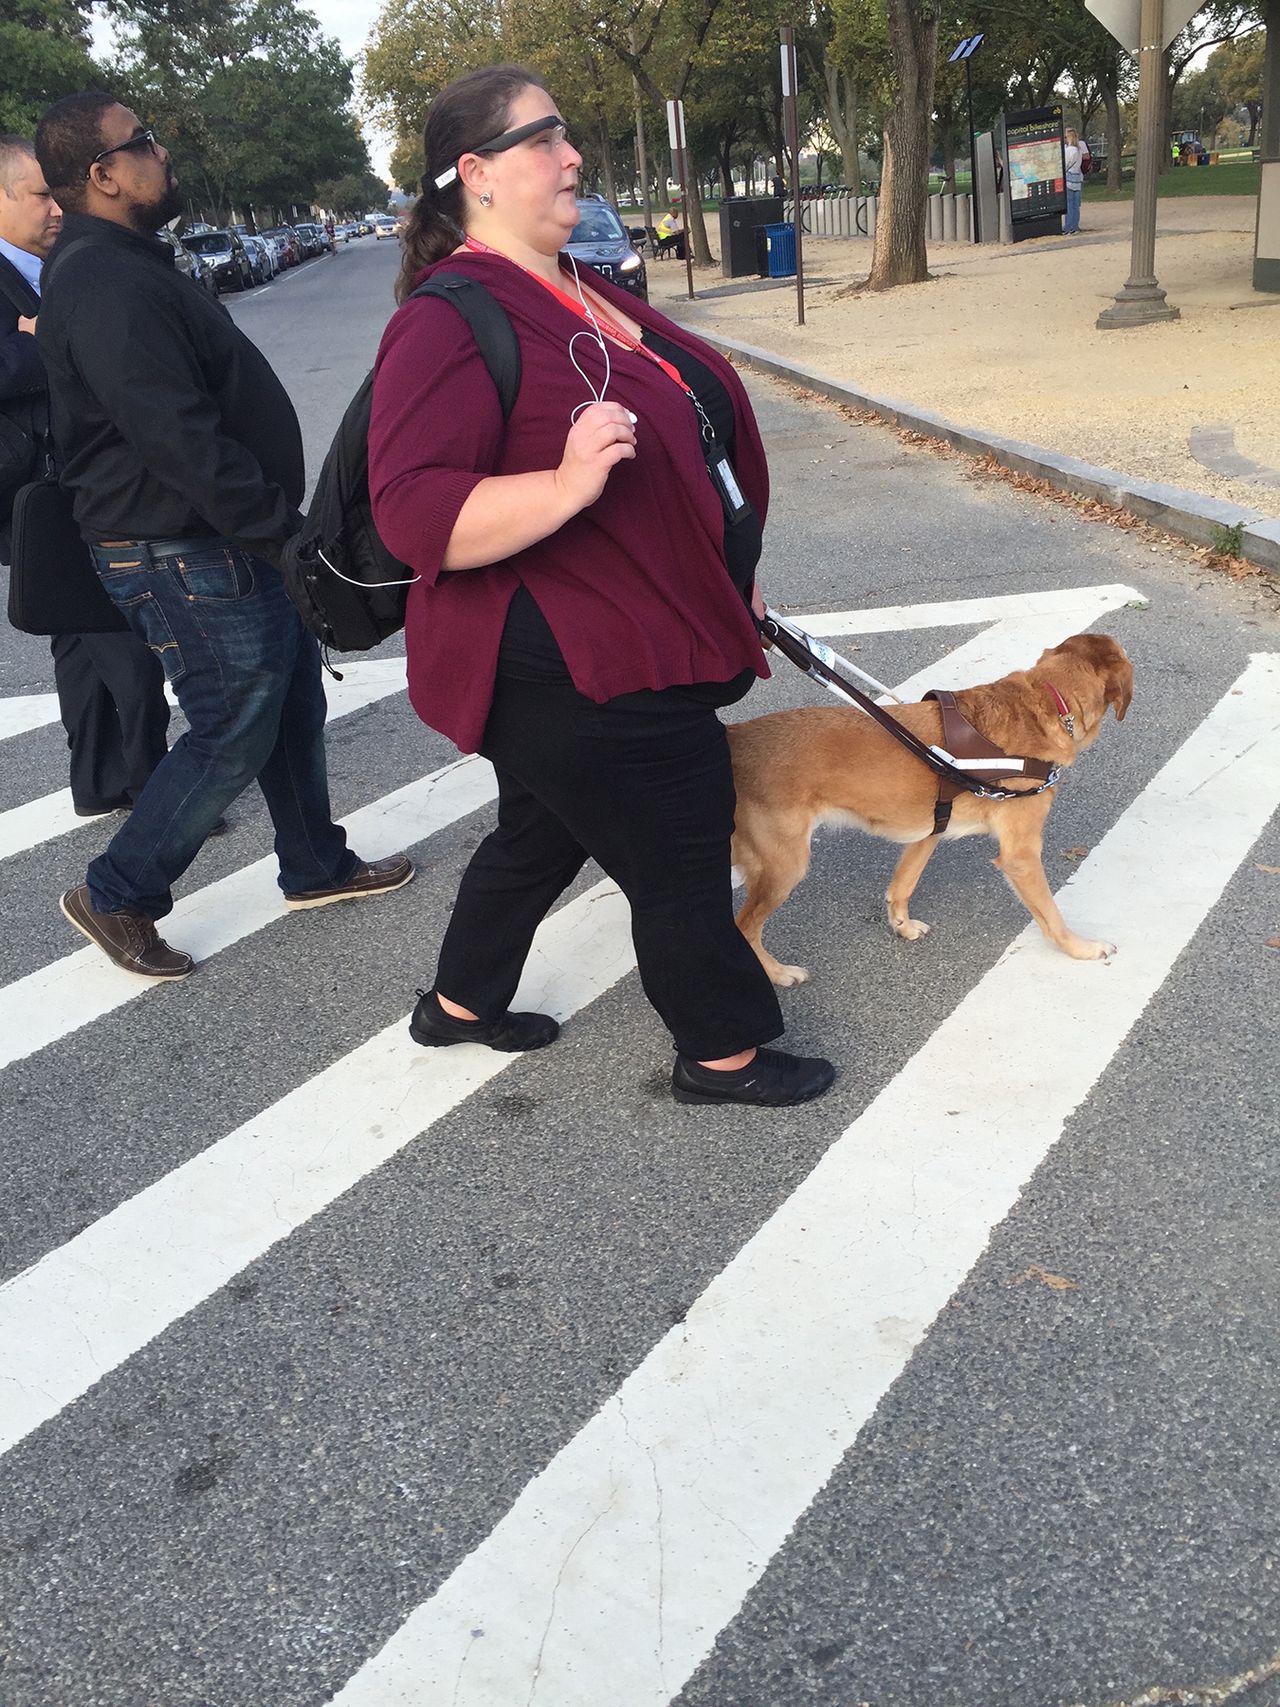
x,y
794,770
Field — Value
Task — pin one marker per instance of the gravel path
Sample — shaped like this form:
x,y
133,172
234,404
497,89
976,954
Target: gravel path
x,y
1003,338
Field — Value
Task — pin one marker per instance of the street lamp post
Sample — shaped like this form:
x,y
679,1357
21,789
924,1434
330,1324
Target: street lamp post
x,y
968,47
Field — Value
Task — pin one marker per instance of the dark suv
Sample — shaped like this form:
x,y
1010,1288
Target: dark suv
x,y
600,239
226,254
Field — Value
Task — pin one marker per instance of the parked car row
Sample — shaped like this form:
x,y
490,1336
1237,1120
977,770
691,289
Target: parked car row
x,y
235,258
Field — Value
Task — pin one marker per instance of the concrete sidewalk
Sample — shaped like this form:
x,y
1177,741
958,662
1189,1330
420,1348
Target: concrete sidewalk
x,y
998,354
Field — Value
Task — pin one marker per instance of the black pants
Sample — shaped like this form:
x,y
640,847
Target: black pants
x,y
644,786
111,696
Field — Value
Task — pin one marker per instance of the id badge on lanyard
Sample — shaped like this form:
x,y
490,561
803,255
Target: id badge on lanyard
x,y
725,481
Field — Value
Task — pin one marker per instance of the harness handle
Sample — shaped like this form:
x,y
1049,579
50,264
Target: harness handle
x,y
790,641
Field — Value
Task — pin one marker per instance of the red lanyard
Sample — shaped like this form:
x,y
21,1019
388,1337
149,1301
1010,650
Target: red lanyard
x,y
598,318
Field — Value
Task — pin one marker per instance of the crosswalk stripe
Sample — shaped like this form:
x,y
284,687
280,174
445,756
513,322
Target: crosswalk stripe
x,y
79,1312
59,998
20,713
73,1283
1067,603
27,826
614,1571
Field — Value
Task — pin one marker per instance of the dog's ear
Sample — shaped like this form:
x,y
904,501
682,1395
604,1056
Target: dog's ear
x,y
1120,683
1108,658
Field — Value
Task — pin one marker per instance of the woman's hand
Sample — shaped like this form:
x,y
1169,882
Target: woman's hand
x,y
757,610
602,436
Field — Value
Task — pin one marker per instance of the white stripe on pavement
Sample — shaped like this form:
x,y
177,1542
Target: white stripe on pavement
x,y
59,998
29,711
69,1284
611,1576
1065,602
22,712
79,1312
38,821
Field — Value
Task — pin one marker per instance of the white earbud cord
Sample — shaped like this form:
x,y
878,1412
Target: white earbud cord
x,y
598,336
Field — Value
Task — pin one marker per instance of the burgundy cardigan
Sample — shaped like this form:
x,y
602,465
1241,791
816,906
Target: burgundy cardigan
x,y
635,587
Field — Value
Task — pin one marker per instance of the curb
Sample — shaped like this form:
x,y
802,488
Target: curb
x,y
1190,515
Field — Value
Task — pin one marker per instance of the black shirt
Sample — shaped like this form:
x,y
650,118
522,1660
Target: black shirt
x,y
529,651
168,420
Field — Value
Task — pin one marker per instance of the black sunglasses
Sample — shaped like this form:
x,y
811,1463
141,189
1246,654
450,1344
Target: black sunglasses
x,y
144,139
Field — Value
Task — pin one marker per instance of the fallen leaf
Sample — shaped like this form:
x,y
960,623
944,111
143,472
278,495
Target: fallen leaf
x,y
1271,870
1273,942
1074,853
1056,1282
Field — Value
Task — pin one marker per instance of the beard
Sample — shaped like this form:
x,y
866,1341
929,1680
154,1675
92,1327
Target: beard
x,y
147,217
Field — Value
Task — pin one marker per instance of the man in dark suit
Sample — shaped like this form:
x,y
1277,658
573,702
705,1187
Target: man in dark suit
x,y
110,686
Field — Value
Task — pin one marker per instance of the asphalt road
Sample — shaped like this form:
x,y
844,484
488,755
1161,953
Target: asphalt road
x,y
331,1372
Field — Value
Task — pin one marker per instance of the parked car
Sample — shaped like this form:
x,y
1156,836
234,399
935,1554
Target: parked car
x,y
384,226
263,257
291,243
313,239
601,240
225,252
185,262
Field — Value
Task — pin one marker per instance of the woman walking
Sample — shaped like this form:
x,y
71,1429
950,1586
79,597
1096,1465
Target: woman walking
x,y
555,627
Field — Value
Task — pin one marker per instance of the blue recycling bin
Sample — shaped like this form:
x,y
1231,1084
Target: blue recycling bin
x,y
781,241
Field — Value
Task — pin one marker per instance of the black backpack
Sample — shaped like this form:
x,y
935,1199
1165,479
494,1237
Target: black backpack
x,y
348,588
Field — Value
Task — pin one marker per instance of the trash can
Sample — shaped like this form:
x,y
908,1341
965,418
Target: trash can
x,y
782,250
741,221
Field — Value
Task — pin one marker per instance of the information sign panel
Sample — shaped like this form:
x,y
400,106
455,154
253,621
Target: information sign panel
x,y
1035,171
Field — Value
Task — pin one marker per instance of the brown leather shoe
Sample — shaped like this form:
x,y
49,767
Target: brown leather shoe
x,y
129,939
370,877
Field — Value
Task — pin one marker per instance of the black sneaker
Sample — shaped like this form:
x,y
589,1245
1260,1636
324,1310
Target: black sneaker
x,y
773,1079
434,1028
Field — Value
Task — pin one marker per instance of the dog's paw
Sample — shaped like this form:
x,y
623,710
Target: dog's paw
x,y
785,976
910,930
1079,948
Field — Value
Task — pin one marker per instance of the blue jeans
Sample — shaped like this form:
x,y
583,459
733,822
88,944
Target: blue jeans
x,y
247,676
1073,213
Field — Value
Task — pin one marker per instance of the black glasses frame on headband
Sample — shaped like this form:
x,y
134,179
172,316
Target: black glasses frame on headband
x,y
508,139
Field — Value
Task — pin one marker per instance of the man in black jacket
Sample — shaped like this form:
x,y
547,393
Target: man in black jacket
x,y
110,687
183,457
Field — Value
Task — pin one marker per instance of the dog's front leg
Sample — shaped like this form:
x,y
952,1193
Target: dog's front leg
x,y
1021,834
902,886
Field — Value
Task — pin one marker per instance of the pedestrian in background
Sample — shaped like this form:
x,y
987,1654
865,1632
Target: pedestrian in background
x,y
110,686
1073,159
551,626
182,455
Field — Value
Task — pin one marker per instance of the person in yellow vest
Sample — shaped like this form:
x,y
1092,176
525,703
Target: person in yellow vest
x,y
671,233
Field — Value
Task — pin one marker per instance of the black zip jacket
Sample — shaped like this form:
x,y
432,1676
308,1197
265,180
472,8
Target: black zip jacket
x,y
168,420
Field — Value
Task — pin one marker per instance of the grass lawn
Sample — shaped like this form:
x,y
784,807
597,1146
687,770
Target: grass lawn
x,y
1228,178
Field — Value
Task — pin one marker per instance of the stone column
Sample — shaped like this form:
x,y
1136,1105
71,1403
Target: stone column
x,y
1142,301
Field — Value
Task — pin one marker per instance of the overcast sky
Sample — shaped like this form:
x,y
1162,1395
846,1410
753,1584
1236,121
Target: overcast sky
x,y
349,20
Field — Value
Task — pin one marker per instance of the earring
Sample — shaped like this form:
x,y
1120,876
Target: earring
x,y
486,200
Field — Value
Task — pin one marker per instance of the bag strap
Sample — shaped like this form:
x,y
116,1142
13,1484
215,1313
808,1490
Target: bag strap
x,y
17,290
490,326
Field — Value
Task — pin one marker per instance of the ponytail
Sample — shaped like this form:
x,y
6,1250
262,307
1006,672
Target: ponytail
x,y
431,234
471,110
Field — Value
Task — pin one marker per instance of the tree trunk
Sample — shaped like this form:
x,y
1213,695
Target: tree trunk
x,y
842,119
1255,113
1115,134
695,225
900,256
606,159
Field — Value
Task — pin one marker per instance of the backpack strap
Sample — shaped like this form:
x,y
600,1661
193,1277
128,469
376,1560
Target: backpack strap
x,y
490,326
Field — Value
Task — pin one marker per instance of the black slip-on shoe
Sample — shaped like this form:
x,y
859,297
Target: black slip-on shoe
x,y
773,1079
434,1028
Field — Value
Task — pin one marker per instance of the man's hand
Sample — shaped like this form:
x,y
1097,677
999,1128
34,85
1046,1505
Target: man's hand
x,y
757,610
27,323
